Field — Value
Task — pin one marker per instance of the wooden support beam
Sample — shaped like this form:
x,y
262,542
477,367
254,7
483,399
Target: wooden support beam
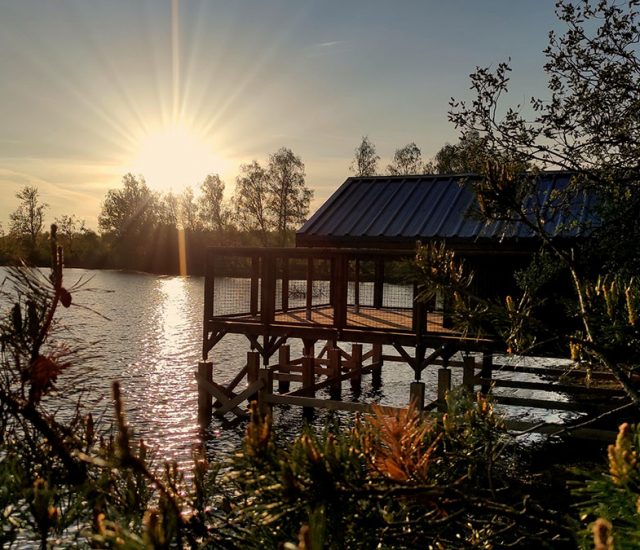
x,y
405,356
219,394
486,372
253,367
444,385
334,373
248,394
468,372
416,395
265,379
284,356
285,283
356,366
205,405
356,283
377,362
378,283
213,339
268,290
208,304
308,375
287,377
309,287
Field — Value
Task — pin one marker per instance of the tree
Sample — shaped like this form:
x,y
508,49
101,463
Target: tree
x,y
212,210
129,218
189,218
169,210
365,162
251,200
27,220
406,161
589,125
468,156
68,229
289,196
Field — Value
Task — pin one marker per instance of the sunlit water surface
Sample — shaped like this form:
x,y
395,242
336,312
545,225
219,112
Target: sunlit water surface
x,y
145,331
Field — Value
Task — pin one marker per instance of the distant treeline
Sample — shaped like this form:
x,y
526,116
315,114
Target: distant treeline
x,y
140,229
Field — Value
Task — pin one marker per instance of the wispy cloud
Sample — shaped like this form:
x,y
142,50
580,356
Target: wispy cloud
x,y
330,44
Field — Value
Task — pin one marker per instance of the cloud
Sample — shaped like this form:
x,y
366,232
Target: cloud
x,y
330,44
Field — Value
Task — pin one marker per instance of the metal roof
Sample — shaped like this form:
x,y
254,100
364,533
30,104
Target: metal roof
x,y
398,208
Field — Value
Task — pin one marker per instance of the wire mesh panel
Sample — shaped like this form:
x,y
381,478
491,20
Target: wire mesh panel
x,y
380,294
360,286
303,291
367,290
236,286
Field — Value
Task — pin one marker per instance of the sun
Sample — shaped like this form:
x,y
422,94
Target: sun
x,y
173,158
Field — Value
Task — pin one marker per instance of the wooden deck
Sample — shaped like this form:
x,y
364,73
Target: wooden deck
x,y
358,317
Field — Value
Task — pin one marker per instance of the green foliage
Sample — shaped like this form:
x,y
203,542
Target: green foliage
x,y
610,500
399,481
440,272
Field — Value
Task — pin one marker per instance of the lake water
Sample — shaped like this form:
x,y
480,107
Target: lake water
x,y
145,331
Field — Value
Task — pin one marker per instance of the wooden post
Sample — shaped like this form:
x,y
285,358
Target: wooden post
x,y
444,385
285,283
416,395
266,376
356,366
468,372
486,372
335,389
255,280
308,375
284,357
340,294
356,283
205,404
208,303
309,287
376,371
253,368
378,283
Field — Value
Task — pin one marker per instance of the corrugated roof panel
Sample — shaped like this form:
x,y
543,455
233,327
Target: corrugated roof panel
x,y
426,207
402,210
432,203
365,196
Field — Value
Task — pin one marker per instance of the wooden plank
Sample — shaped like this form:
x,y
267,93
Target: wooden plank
x,y
321,385
551,386
540,403
332,405
554,371
219,395
286,377
553,429
238,378
244,395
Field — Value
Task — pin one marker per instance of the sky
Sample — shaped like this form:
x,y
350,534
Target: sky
x,y
175,89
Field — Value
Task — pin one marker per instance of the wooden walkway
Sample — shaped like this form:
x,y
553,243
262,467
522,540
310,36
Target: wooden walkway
x,y
396,319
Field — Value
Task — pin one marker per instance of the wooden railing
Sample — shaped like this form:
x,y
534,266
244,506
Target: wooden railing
x,y
336,287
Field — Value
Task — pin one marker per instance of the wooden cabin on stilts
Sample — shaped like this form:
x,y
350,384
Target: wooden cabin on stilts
x,y
342,304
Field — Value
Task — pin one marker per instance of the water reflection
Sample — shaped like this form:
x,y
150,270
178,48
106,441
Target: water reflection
x,y
152,343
